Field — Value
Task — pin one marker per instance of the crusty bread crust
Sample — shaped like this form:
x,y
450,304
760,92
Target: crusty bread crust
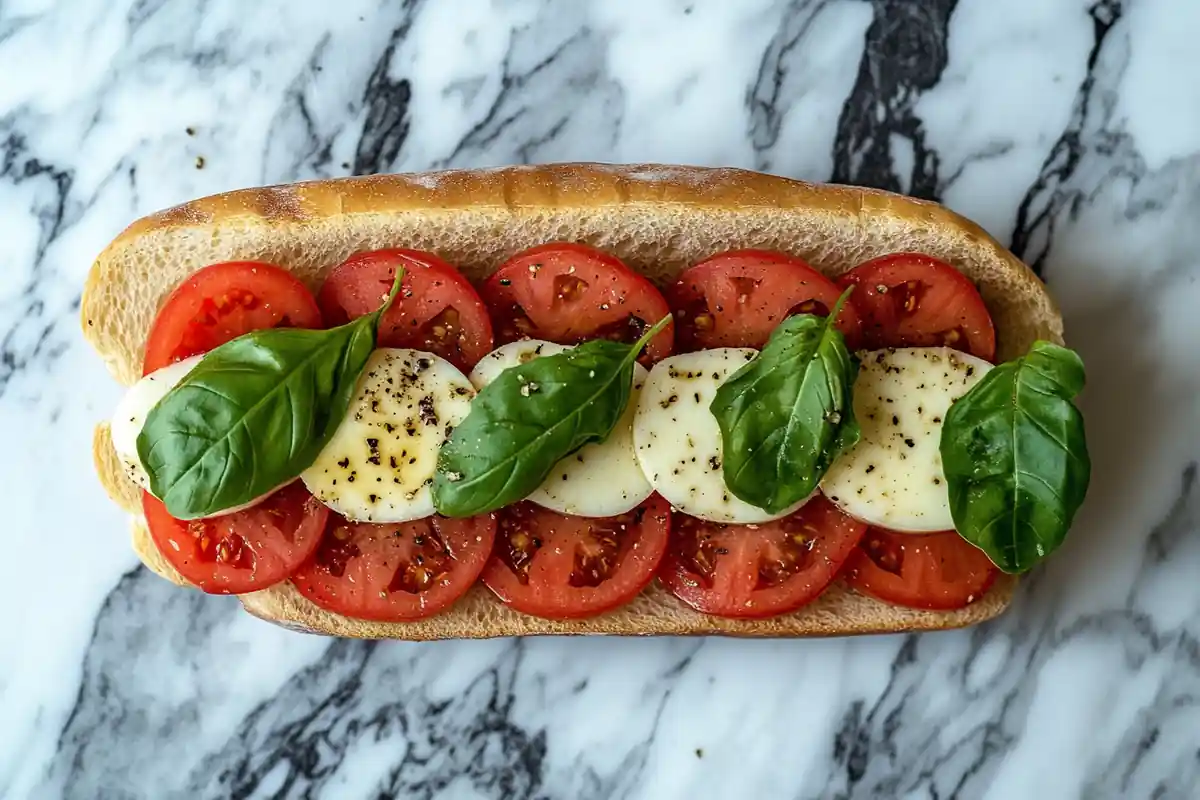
x,y
657,219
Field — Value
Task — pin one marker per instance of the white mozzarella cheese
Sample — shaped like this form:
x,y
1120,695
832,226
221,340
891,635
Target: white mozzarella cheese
x,y
893,477
379,465
678,441
602,479
133,409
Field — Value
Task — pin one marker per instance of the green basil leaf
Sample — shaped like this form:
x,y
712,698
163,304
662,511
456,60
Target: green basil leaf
x,y
1015,457
253,414
530,417
786,415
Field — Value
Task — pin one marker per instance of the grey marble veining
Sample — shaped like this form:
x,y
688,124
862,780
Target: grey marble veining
x,y
1071,130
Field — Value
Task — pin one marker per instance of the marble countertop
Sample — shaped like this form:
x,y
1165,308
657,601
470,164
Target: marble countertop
x,y
1071,130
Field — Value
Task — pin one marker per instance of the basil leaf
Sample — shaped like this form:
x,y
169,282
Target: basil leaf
x,y
1015,457
528,419
787,414
253,414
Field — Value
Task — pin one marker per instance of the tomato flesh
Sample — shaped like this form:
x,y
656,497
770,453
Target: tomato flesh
x,y
563,567
914,300
570,293
738,299
437,310
222,302
244,551
395,572
755,571
938,571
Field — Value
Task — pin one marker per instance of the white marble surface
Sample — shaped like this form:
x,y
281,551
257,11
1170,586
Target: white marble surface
x,y
1071,129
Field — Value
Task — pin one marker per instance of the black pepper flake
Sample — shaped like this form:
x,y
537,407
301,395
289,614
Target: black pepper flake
x,y
910,443
937,481
374,404
373,459
392,462
505,282
460,390
714,463
936,420
411,430
345,462
373,443
895,420
427,412
371,498
970,371
351,478
389,427
412,460
670,401
870,468
697,396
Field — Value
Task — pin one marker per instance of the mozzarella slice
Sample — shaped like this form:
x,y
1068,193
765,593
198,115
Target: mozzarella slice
x,y
599,480
678,440
893,477
379,465
511,355
133,409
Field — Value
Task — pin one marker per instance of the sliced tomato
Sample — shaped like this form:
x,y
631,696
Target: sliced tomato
x,y
244,551
569,293
396,572
223,301
914,300
563,567
737,299
939,571
755,571
437,311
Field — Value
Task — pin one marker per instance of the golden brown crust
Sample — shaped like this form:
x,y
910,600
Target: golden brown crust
x,y
658,219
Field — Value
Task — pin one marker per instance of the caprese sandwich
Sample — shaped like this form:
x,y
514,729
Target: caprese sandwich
x,y
395,407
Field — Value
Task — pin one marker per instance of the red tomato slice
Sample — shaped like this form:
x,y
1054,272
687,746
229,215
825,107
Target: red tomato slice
x,y
569,293
913,300
940,571
737,299
437,311
244,551
563,567
755,571
396,572
223,301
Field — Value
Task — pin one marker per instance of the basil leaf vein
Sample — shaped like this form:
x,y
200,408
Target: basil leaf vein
x,y
253,414
1015,457
786,415
528,419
